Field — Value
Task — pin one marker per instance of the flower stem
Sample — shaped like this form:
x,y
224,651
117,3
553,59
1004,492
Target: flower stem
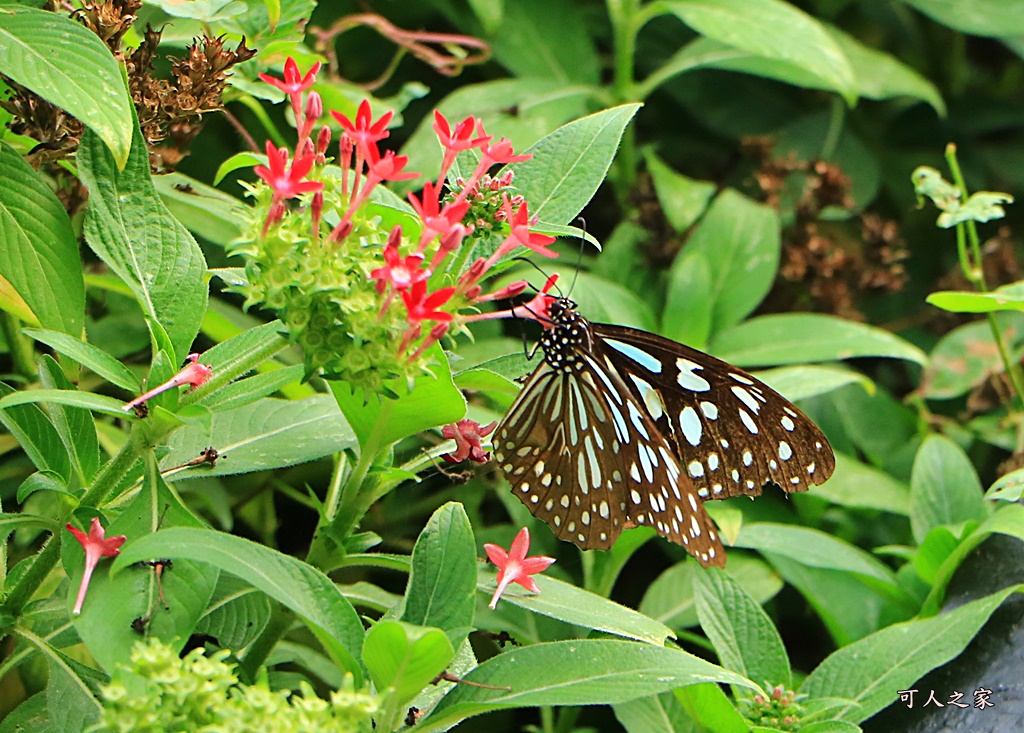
x,y
971,262
29,583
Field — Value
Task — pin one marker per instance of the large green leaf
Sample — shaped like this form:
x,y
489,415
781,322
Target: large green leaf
x,y
565,602
791,338
745,639
35,434
545,40
772,30
442,583
293,583
130,229
739,239
944,487
68,65
115,601
89,356
967,356
569,164
40,253
870,671
978,17
856,484
74,424
580,672
269,433
380,421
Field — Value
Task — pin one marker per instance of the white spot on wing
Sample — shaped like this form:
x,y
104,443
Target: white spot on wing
x,y
640,356
689,422
687,379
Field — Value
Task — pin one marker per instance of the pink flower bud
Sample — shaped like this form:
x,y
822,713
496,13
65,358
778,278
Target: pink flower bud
x,y
314,106
323,139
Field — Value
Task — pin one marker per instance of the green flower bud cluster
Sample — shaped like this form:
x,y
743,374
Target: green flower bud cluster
x,y
779,711
323,291
162,693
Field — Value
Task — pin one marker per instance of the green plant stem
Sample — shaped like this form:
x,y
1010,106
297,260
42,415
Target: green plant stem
x,y
281,620
836,123
114,471
624,16
334,491
547,718
975,273
19,345
567,718
30,581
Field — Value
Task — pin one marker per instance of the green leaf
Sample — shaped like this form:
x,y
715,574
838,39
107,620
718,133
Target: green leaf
x,y
70,691
31,715
69,66
74,425
689,300
771,29
740,240
237,356
565,602
579,672
881,75
379,421
243,392
847,604
744,638
236,614
808,380
40,254
670,598
978,17
708,706
856,484
442,585
791,338
569,164
982,206
11,522
293,583
70,397
1008,297
968,355
89,356
522,110
206,211
114,601
683,199
1007,488
656,714
406,658
130,229
35,434
269,433
545,40
944,487
814,548
606,301
1008,520
869,672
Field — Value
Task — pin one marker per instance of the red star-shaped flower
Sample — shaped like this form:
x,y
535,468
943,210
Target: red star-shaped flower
x,y
423,307
437,220
96,545
293,82
401,272
287,182
364,132
514,566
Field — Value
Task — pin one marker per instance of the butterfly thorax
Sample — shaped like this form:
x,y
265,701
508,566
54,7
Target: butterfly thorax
x,y
566,336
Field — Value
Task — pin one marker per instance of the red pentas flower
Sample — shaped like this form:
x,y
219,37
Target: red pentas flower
x,y
467,435
389,167
514,566
423,307
287,182
437,221
193,374
294,82
399,272
364,132
96,545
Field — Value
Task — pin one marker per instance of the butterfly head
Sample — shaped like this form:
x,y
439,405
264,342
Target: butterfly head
x,y
566,336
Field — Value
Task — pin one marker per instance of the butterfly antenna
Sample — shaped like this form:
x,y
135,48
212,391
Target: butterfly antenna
x,y
539,269
579,257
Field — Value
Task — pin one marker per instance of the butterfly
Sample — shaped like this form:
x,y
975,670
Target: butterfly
x,y
618,428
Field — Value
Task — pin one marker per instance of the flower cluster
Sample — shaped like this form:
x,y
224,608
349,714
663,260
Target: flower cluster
x,y
164,692
364,282
780,711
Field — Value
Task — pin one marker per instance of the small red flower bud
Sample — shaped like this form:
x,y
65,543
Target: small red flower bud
x,y
323,139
